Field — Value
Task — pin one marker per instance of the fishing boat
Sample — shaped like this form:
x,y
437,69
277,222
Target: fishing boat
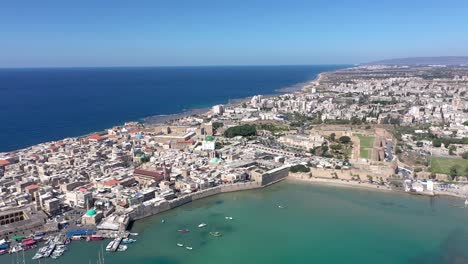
x,y
201,225
128,241
189,248
183,230
180,245
216,234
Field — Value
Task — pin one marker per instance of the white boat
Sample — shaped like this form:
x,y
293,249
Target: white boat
x,y
59,250
229,217
201,225
134,234
15,249
180,245
122,248
466,202
189,248
110,246
37,256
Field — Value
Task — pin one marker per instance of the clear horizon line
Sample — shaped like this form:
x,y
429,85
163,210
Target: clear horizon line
x,y
176,66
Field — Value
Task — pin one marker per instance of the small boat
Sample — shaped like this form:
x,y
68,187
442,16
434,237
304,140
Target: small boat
x,y
15,249
95,238
180,245
58,251
3,251
216,234
466,202
201,225
281,207
110,246
134,234
189,248
122,248
229,217
183,230
162,221
128,241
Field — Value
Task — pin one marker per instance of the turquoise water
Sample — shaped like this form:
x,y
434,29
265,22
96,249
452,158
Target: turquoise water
x,y
318,224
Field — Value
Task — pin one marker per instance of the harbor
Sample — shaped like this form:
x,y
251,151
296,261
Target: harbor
x,y
265,220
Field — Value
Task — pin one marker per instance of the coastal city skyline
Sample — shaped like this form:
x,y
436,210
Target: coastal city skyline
x,y
185,33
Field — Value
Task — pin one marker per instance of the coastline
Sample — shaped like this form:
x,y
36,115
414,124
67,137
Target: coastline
x,y
159,119
342,184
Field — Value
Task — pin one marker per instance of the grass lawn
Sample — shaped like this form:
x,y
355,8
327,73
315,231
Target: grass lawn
x,y
367,143
443,165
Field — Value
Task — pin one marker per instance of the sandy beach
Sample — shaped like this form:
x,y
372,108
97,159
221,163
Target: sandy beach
x,y
342,183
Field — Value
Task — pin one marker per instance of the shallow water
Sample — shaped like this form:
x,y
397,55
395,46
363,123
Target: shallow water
x,y
318,224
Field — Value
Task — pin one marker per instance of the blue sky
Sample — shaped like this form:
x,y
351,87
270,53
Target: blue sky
x,y
216,32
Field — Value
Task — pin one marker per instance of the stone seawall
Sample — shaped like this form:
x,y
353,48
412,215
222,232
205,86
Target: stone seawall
x,y
143,211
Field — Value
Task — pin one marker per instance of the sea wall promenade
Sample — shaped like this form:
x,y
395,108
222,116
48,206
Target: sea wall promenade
x,y
149,209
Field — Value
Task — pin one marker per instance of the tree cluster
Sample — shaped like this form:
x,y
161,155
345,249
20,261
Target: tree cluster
x,y
243,130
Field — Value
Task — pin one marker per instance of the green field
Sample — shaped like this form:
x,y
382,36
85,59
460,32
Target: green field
x,y
367,143
443,165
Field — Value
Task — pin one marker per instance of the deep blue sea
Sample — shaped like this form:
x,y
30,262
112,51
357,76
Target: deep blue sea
x,y
40,105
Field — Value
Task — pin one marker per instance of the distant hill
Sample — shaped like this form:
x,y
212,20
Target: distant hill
x,y
446,60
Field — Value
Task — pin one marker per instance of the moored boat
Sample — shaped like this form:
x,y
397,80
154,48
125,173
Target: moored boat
x,y
110,246
95,238
4,245
76,237
128,241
